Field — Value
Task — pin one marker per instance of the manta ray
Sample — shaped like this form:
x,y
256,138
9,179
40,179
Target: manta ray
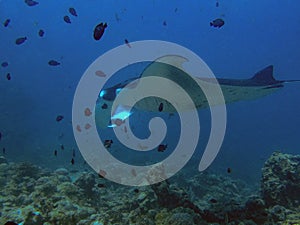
x,y
259,85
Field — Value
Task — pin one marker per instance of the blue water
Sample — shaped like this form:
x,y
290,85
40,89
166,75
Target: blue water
x,y
255,34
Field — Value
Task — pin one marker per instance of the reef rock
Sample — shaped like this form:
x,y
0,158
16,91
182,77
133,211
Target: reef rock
x,y
86,182
281,180
3,160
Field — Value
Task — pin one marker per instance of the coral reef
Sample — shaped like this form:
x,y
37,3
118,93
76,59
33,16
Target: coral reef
x,y
172,198
32,195
281,180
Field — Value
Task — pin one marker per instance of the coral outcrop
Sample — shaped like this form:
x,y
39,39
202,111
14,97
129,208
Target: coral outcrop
x,y
281,180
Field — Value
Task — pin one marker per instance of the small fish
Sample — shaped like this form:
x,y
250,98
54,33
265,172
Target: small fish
x,y
6,22
73,153
100,73
87,112
10,223
117,17
61,136
176,9
99,31
67,19
213,200
4,64
0,136
133,172
160,107
8,76
72,161
104,106
59,118
72,11
162,148
228,170
41,33
118,122
165,23
170,115
55,152
20,40
101,186
62,147
78,128
53,63
217,23
107,143
3,151
127,43
217,4
31,2
136,190
102,173
87,126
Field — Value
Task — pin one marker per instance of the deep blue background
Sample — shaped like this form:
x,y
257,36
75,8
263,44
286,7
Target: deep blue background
x,y
255,34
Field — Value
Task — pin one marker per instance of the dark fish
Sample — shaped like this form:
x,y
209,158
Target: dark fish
x,y
55,152
117,17
10,223
53,63
133,172
67,19
41,33
8,76
160,107
31,2
62,147
170,115
99,31
20,40
0,136
217,4
217,23
165,23
6,22
127,43
73,153
4,64
162,148
107,143
59,118
72,161
73,11
104,106
3,151
101,186
213,200
228,170
136,190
